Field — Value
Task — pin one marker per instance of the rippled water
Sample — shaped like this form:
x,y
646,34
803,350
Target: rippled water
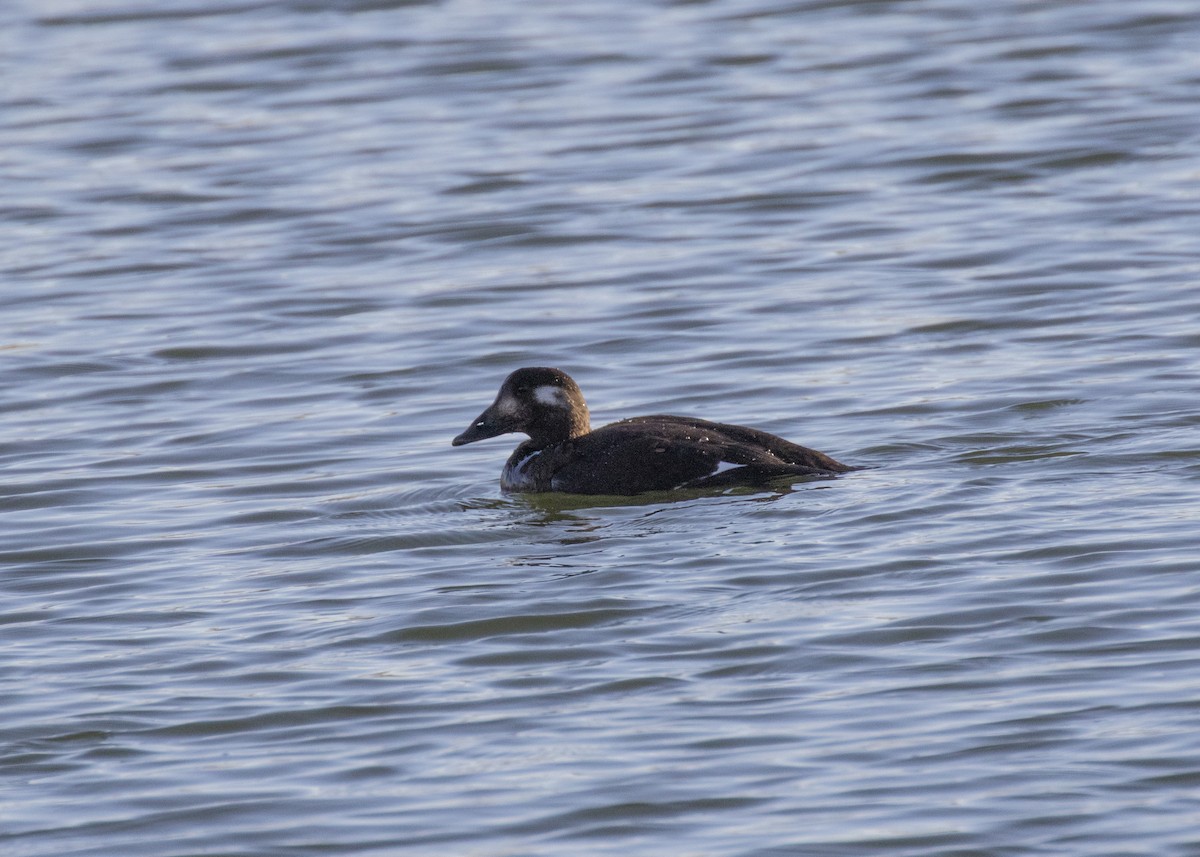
x,y
261,261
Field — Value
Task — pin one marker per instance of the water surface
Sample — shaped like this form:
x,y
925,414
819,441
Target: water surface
x,y
262,261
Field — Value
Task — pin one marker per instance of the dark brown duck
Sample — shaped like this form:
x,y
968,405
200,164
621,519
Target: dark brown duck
x,y
633,456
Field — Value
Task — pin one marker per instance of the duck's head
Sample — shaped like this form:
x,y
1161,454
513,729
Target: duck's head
x,y
543,403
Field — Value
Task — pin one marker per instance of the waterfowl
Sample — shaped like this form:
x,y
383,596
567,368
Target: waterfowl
x,y
633,456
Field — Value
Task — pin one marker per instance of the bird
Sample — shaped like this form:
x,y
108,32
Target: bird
x,y
633,456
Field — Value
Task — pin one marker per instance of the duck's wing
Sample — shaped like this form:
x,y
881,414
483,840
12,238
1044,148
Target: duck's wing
x,y
660,453
633,458
757,445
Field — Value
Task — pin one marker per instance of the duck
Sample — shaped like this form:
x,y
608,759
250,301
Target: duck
x,y
633,456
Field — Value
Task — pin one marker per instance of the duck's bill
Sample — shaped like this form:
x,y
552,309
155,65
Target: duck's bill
x,y
488,424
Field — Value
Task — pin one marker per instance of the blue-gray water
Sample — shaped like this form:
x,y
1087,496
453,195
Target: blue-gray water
x,y
261,261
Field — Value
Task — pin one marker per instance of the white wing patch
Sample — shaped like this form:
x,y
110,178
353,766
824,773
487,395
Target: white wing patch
x,y
548,394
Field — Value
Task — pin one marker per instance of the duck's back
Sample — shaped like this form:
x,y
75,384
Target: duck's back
x,y
660,453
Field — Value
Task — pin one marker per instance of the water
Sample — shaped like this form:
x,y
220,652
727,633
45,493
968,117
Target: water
x,y
262,261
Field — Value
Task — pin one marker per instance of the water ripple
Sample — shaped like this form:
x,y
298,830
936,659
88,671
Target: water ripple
x,y
264,260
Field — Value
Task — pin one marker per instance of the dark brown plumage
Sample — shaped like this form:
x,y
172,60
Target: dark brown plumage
x,y
633,456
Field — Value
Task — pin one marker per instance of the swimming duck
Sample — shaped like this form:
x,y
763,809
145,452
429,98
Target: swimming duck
x,y
633,456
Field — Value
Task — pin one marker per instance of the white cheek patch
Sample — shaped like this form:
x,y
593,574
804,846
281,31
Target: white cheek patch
x,y
548,394
507,406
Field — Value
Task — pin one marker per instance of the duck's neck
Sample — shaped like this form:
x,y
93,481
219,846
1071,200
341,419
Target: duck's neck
x,y
559,425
